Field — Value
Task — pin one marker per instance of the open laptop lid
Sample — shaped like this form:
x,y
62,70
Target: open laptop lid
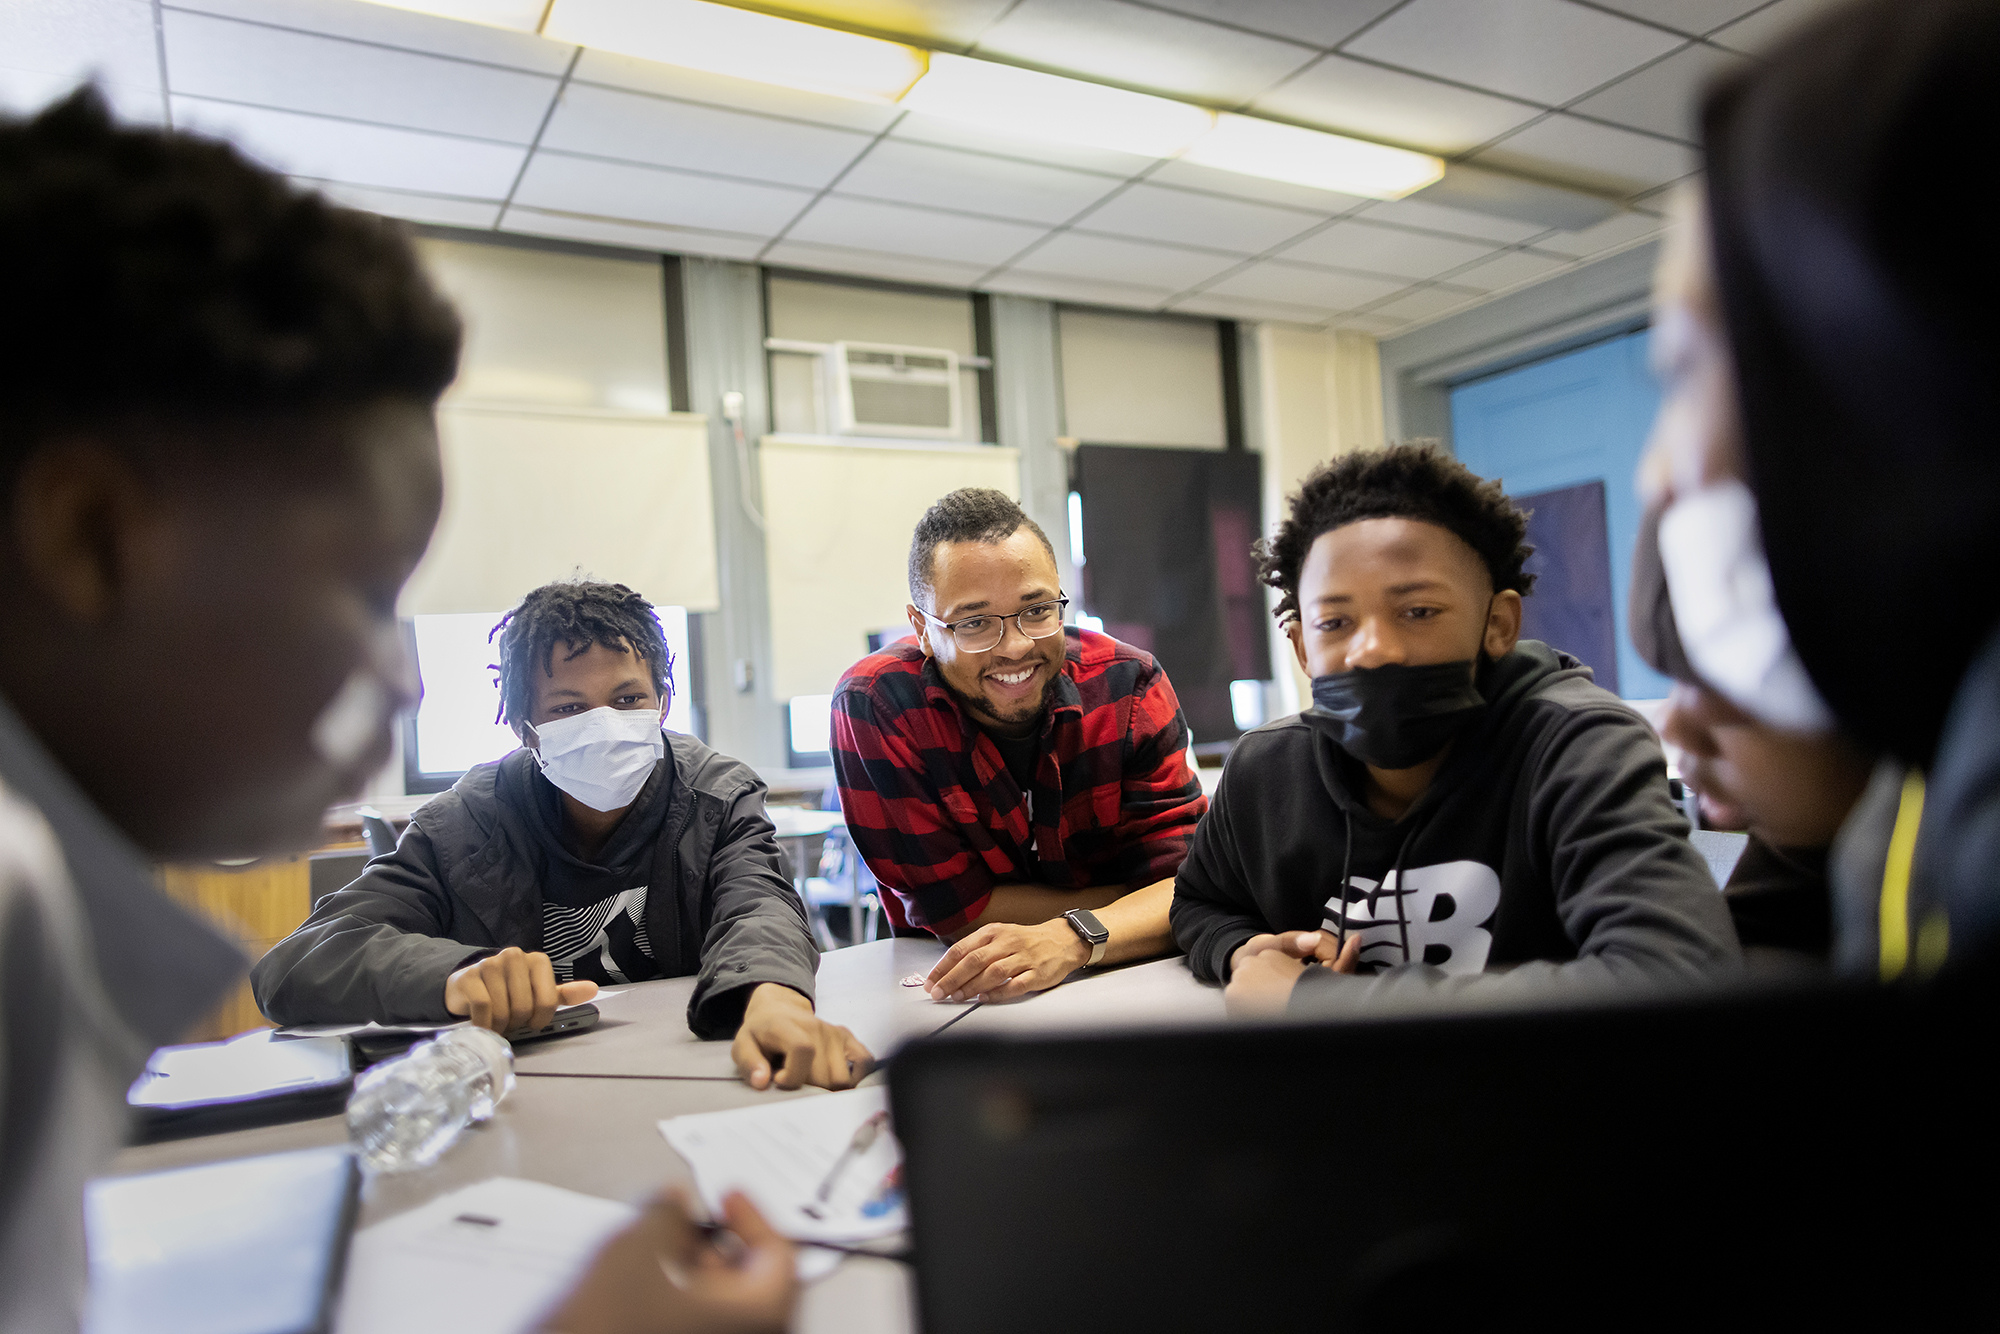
x,y
1422,1172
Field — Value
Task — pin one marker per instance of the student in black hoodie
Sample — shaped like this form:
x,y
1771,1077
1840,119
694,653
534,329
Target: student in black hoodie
x,y
1458,802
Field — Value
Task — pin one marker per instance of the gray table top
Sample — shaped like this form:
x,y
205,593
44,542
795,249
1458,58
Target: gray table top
x,y
585,1109
644,1029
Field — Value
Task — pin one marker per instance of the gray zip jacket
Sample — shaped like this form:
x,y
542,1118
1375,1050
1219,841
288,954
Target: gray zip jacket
x,y
464,883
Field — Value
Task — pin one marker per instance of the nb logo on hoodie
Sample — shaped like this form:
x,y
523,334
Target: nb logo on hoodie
x,y
1427,914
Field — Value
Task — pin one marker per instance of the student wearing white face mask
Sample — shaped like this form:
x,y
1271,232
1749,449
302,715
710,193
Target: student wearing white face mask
x,y
605,851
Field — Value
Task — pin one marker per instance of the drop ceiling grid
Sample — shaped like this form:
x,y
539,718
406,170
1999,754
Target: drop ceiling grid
x,y
424,117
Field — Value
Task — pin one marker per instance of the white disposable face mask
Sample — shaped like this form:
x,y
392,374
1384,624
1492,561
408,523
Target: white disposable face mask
x,y
1727,611
359,712
603,757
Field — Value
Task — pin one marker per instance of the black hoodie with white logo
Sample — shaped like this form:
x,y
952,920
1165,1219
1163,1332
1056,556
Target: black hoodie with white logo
x,y
1547,848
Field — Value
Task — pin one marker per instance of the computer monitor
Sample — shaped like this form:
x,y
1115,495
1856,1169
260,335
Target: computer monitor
x,y
1782,1154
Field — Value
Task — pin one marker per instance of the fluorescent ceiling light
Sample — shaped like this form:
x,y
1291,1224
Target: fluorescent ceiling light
x,y
525,15
1253,147
1048,106
741,44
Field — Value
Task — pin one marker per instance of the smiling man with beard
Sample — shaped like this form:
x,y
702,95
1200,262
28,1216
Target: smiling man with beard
x,y
1018,786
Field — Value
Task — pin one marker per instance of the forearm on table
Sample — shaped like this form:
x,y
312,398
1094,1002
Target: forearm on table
x,y
1136,919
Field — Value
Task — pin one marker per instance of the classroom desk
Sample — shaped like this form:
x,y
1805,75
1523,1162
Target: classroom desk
x,y
644,1029
1137,995
584,1111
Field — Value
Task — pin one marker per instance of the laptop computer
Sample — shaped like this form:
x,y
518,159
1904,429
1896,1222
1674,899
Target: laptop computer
x,y
1783,1154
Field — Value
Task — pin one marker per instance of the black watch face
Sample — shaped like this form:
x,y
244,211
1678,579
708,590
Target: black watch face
x,y
1088,926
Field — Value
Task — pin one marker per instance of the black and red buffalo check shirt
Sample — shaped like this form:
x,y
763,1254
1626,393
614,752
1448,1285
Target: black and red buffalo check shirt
x,y
940,820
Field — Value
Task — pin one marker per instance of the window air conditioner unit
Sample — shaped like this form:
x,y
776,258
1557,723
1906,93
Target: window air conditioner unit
x,y
897,391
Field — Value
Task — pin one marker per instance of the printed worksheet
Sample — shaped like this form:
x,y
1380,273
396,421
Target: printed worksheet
x,y
492,1257
824,1168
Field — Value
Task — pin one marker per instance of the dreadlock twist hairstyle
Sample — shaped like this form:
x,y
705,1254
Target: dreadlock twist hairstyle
x,y
1402,482
573,613
154,273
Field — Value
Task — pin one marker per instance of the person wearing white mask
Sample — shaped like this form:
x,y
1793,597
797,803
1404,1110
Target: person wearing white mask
x,y
605,851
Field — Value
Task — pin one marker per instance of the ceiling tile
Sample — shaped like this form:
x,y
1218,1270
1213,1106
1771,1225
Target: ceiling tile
x,y
1424,303
1083,291
1138,262
1246,308
604,122
1379,325
1597,156
610,231
914,173
1760,31
957,134
48,49
1693,17
1664,98
693,85
1545,50
939,22
1367,100
408,204
1457,221
1275,280
263,66
1508,269
396,27
1156,213
1143,48
1318,22
564,184
873,264
898,229
1370,248
1213,180
1612,233
340,150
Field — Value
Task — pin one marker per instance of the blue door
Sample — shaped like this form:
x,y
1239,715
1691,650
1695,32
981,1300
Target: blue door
x,y
1576,418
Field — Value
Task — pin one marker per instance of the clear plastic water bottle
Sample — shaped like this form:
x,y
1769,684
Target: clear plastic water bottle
x,y
405,1113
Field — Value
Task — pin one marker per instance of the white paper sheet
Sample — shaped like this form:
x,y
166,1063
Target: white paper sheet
x,y
492,1257
780,1154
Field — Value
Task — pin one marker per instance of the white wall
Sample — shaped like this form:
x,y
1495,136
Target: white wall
x,y
1141,380
555,330
1320,396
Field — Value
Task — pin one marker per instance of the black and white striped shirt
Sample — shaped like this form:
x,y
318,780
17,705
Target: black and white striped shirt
x,y
602,942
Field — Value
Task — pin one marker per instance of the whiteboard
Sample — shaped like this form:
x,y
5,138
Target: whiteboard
x,y
837,524
532,496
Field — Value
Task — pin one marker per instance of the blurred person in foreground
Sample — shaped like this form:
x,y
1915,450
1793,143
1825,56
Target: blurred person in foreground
x,y
605,851
1825,455
1020,787
1790,789
1462,812
218,464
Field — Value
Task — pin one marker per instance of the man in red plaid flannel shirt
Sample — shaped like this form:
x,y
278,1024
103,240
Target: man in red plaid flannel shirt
x,y
1018,787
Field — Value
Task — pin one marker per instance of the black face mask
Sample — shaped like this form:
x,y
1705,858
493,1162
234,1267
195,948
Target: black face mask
x,y
1395,717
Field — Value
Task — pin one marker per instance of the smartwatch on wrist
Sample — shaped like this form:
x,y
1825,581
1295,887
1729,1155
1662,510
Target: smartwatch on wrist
x,y
1085,924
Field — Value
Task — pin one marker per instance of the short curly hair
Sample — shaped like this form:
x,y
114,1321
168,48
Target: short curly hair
x,y
156,275
1402,482
574,613
969,514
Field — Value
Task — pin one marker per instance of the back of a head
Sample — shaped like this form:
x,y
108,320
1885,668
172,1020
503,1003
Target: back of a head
x,y
1859,297
1401,482
158,278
